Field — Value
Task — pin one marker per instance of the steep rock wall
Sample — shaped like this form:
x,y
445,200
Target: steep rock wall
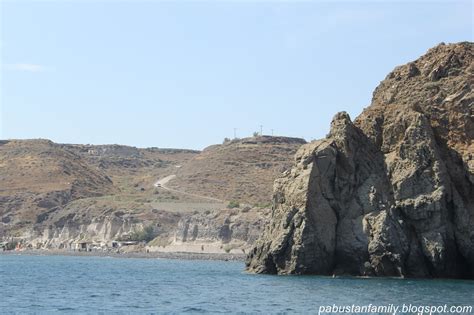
x,y
391,194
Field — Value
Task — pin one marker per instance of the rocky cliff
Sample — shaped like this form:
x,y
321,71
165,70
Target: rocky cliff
x,y
391,194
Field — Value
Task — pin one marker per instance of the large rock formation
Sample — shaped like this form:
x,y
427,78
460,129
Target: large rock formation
x,y
391,194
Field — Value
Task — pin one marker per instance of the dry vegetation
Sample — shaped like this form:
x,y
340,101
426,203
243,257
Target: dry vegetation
x,y
46,184
239,170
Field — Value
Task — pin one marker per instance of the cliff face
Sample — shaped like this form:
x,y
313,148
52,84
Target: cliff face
x,y
391,194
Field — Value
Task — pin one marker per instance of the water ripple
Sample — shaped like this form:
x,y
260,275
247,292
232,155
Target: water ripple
x,y
48,284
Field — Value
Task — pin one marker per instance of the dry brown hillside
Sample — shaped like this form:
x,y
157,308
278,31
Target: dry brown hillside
x,y
40,178
40,166
37,175
242,170
132,168
52,195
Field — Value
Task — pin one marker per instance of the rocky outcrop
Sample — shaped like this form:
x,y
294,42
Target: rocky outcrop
x,y
391,194
217,231
224,227
67,233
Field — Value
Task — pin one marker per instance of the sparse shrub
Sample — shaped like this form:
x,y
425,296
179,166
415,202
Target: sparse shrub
x,y
233,204
227,248
256,134
226,140
11,245
160,241
264,205
147,234
246,209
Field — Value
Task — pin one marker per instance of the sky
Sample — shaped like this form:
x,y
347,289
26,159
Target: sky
x,y
184,74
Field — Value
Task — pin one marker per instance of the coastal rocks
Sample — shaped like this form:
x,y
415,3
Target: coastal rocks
x,y
67,232
234,228
320,207
390,194
218,231
220,226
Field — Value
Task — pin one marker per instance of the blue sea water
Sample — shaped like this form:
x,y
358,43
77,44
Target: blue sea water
x,y
64,284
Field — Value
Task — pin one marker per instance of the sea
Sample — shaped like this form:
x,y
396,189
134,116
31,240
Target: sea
x,y
103,285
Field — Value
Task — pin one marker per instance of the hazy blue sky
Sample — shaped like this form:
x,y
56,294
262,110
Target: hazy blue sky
x,y
184,74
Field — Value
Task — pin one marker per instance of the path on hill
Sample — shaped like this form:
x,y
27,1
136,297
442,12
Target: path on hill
x,y
161,183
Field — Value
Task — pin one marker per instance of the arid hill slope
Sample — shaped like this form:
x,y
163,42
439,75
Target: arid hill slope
x,y
38,175
53,195
242,169
132,168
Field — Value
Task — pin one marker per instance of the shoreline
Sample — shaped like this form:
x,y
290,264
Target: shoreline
x,y
150,255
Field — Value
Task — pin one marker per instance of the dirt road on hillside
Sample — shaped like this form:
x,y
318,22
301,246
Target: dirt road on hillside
x,y
161,183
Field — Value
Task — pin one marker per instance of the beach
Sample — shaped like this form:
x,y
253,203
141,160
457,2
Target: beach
x,y
162,255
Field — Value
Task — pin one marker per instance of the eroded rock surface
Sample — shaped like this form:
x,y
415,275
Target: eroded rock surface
x,y
391,194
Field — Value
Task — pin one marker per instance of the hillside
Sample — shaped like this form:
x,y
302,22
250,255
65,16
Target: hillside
x,y
132,168
241,170
57,194
38,175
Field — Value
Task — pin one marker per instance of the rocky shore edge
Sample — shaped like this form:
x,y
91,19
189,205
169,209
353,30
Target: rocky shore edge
x,y
158,255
